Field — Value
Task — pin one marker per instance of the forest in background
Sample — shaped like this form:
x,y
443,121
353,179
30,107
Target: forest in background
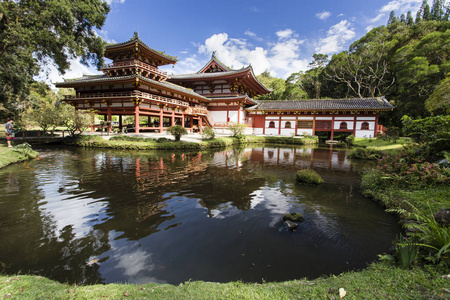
x,y
407,61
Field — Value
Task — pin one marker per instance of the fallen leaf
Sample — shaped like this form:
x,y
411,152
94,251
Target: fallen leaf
x,y
342,293
7,296
126,294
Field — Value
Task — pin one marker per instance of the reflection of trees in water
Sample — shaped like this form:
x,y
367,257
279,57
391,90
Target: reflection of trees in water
x,y
29,238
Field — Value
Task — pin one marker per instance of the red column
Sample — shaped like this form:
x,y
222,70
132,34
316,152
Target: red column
x,y
136,118
161,119
279,126
332,127
200,124
376,126
173,118
239,113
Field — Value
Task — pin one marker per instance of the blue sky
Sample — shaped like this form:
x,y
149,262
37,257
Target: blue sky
x,y
280,36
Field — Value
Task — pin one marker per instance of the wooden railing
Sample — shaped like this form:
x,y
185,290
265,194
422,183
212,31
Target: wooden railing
x,y
133,94
136,63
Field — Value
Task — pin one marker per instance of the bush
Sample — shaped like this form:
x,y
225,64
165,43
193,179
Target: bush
x,y
308,176
177,131
162,140
350,140
364,153
237,130
208,134
432,132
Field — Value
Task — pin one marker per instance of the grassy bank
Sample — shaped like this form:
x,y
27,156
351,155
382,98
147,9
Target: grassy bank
x,y
379,281
137,143
375,148
15,154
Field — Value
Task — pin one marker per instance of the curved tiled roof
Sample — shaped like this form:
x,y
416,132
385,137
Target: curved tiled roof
x,y
136,38
105,78
376,103
207,75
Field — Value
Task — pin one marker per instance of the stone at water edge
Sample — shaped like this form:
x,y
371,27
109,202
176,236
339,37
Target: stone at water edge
x,y
443,217
291,225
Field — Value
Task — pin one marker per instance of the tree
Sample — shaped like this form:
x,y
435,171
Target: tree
x,y
33,33
439,100
392,18
438,10
409,19
76,120
177,131
425,9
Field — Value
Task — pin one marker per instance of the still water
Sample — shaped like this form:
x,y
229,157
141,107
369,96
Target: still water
x,y
99,216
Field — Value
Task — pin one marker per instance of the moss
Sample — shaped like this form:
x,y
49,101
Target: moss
x,y
294,217
308,176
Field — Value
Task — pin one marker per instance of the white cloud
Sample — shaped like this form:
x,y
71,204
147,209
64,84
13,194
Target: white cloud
x,y
323,15
377,18
401,6
337,37
50,74
285,33
281,58
369,28
114,1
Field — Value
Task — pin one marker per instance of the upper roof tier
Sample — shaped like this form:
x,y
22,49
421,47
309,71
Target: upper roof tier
x,y
138,49
215,70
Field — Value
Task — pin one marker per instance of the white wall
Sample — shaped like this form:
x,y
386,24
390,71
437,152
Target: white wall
x,y
218,116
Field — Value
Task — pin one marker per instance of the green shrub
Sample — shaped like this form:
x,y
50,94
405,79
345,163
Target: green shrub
x,y
237,130
308,176
177,131
406,252
364,153
350,140
162,140
208,134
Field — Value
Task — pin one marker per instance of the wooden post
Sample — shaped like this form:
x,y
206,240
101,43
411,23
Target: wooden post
x,y
332,127
136,119
200,124
279,125
161,119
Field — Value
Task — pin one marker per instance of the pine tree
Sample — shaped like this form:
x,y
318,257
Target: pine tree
x,y
409,19
403,18
418,16
392,18
437,10
426,15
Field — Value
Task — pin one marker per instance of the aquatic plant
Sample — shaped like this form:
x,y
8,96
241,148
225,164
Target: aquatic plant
x,y
308,176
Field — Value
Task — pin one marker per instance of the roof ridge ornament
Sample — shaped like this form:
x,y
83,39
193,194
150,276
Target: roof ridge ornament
x,y
136,36
213,54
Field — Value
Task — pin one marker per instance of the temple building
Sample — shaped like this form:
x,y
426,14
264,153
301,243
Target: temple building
x,y
215,96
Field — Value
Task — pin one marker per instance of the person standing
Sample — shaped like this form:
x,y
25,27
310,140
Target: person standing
x,y
9,130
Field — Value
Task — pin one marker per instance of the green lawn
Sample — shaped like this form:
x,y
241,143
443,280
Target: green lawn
x,y
379,281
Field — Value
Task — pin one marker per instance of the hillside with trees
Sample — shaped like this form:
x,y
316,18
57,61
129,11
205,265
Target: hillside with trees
x,y
407,61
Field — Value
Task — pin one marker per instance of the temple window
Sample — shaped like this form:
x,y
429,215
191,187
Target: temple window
x,y
287,125
271,124
343,125
365,126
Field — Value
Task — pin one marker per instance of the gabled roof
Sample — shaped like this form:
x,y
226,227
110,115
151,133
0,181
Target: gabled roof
x,y
214,65
135,44
377,103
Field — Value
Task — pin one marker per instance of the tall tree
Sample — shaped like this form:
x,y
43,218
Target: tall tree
x,y
409,19
392,18
426,13
34,32
438,10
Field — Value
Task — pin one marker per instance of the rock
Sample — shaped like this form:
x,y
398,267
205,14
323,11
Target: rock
x,y
443,217
291,225
294,217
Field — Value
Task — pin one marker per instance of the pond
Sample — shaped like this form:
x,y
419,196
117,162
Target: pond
x,y
100,216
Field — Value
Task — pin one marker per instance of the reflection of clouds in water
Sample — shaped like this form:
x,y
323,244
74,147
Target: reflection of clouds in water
x,y
275,202
133,262
224,211
81,214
